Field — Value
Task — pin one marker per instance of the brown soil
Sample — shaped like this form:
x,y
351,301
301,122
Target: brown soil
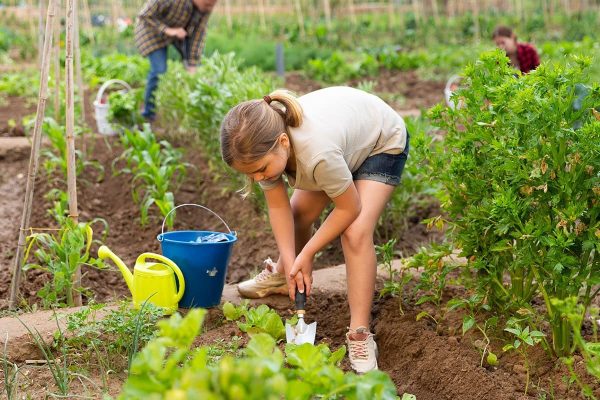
x,y
12,111
403,90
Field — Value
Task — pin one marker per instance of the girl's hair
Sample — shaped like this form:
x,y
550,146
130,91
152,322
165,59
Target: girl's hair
x,y
503,31
250,130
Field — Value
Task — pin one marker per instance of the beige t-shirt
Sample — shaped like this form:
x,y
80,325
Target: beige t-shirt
x,y
341,127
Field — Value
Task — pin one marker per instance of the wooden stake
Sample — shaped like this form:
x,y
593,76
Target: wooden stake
x,y
35,151
227,15
70,125
56,56
300,17
261,12
327,10
476,27
78,73
87,20
41,33
352,11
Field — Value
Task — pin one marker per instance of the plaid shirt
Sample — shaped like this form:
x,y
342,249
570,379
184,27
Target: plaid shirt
x,y
528,57
157,15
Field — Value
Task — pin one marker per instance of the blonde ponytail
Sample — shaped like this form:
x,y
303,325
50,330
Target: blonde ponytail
x,y
292,109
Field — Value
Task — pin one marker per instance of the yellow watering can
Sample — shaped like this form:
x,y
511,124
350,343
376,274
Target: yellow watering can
x,y
152,281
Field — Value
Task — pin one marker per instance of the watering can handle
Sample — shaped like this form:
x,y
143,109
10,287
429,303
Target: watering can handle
x,y
106,84
171,265
195,205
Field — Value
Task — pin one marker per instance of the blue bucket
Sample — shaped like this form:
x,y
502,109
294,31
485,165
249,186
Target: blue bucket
x,y
203,264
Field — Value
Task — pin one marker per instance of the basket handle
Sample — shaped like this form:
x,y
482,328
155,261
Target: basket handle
x,y
106,84
162,230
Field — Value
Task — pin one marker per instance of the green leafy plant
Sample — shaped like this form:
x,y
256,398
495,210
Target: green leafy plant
x,y
574,313
523,337
521,184
397,279
170,368
472,304
60,255
124,108
156,166
436,268
56,156
259,319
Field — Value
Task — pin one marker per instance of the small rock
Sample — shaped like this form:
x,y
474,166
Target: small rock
x,y
452,340
20,176
518,369
96,202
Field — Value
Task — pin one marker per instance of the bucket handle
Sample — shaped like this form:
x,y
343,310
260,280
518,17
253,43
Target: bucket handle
x,y
195,205
106,84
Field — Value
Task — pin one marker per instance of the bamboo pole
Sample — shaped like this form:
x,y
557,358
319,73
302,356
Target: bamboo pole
x,y
327,11
78,72
476,27
391,14
56,64
352,11
227,15
87,21
70,125
35,152
261,13
41,33
300,17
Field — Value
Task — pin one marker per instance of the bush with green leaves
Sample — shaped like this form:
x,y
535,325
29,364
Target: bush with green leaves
x,y
168,367
520,170
60,254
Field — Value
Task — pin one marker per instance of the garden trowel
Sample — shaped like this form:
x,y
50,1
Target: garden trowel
x,y
301,333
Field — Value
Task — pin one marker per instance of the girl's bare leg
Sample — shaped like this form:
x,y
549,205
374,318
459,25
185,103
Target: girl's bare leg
x,y
359,250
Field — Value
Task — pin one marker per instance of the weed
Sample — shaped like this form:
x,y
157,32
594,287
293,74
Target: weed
x,y
397,279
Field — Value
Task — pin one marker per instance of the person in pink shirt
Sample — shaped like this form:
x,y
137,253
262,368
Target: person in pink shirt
x,y
523,56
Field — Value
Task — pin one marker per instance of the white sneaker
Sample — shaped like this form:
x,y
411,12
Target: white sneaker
x,y
268,282
362,350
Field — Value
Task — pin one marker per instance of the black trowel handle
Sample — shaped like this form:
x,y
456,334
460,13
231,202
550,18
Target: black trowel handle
x,y
300,300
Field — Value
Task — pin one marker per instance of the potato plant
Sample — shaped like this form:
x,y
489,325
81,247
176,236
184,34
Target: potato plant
x,y
521,174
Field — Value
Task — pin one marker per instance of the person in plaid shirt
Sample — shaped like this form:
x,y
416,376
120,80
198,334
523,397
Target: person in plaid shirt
x,y
164,22
523,56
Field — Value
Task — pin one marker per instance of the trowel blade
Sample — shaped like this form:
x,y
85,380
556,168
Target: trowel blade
x,y
301,334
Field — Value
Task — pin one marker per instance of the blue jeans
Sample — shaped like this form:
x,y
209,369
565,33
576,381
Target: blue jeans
x,y
158,66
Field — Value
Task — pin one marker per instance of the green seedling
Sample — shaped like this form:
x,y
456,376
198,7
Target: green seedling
x,y
61,254
523,337
397,280
156,168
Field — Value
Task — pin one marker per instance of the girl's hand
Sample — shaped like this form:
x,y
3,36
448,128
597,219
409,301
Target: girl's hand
x,y
301,275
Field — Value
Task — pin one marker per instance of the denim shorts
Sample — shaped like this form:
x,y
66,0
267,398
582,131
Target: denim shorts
x,y
383,167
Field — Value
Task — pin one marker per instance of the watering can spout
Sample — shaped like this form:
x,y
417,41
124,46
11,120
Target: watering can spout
x,y
104,253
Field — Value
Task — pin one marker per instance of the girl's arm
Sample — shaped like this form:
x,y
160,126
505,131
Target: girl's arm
x,y
347,208
282,223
